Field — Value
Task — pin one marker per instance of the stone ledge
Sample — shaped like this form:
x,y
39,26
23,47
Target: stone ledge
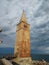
x,y
22,60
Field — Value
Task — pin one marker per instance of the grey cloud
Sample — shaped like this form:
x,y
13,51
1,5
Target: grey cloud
x,y
37,16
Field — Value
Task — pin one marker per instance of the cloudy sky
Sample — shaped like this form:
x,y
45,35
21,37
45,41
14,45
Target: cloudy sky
x,y
37,14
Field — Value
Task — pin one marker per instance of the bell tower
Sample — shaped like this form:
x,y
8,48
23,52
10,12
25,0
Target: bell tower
x,y
22,43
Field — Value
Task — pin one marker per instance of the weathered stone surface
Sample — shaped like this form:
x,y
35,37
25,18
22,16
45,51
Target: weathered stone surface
x,y
6,62
23,61
1,62
42,62
22,43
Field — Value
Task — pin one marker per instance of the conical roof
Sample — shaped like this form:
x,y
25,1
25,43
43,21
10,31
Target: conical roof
x,y
23,17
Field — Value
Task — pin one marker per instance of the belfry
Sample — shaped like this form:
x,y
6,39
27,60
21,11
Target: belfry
x,y
22,42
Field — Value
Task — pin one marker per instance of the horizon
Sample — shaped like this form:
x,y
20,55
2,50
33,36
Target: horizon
x,y
11,51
